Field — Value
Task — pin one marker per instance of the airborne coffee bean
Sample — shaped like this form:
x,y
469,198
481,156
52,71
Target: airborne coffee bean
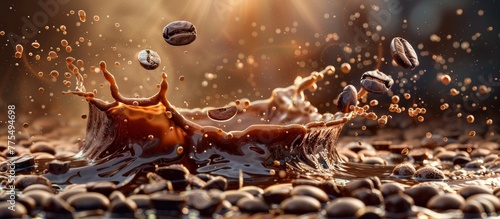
x,y
179,33
403,53
149,59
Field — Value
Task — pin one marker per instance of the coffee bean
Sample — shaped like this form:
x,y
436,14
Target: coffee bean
x,y
176,174
168,204
461,160
376,82
495,202
164,185
403,53
275,194
300,205
222,114
57,167
403,170
103,187
38,187
428,173
18,212
311,191
472,209
253,190
217,182
471,190
398,203
142,201
331,189
24,181
68,193
357,184
421,194
445,202
116,195
38,196
391,188
252,205
347,98
195,182
370,212
55,207
89,201
345,207
29,203
233,196
42,147
179,33
123,209
206,203
371,197
149,59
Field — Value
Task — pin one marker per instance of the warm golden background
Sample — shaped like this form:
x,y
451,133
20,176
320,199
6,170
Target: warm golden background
x,y
246,48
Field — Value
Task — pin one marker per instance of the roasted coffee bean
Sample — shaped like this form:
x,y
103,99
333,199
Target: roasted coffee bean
x,y
57,167
206,203
168,204
233,196
331,189
300,205
357,184
222,114
38,196
495,202
403,53
371,197
123,209
275,194
103,187
195,182
403,170
429,173
179,33
345,207
55,207
18,212
471,190
116,195
217,182
376,82
472,209
38,187
254,190
164,185
29,203
421,194
445,202
311,191
370,212
176,174
347,98
68,193
391,188
142,201
252,205
42,147
461,160
398,203
149,59
24,181
89,201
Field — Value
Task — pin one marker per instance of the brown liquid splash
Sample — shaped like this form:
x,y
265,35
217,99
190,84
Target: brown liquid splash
x,y
282,134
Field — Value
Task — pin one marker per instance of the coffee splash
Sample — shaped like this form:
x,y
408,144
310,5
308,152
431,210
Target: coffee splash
x,y
283,134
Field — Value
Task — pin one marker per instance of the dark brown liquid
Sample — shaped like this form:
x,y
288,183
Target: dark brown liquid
x,y
283,134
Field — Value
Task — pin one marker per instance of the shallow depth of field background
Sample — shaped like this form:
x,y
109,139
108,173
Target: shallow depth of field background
x,y
244,49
